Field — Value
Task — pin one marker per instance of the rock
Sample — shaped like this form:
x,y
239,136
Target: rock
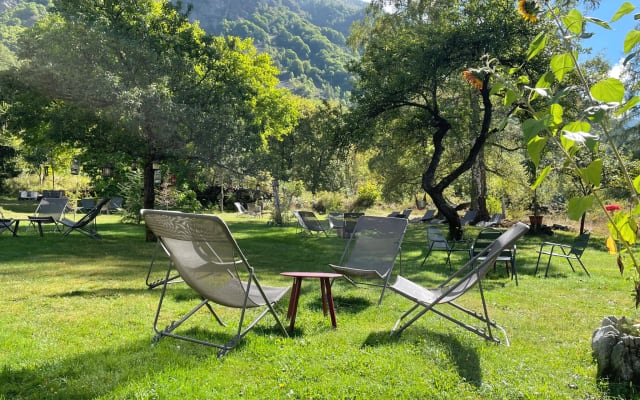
x,y
617,354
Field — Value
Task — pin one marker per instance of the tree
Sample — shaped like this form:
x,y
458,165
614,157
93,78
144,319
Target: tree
x,y
411,68
164,88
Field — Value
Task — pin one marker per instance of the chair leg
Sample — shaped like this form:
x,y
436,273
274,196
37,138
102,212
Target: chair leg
x,y
537,263
583,267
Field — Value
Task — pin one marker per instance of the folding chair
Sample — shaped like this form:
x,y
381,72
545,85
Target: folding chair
x,y
242,210
86,205
485,237
436,241
454,287
569,252
86,224
208,259
308,221
51,210
115,204
428,216
371,250
493,221
7,224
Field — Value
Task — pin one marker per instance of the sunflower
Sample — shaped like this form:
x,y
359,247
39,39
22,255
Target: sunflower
x,y
528,9
472,79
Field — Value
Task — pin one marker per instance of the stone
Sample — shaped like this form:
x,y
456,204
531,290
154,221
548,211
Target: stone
x,y
617,354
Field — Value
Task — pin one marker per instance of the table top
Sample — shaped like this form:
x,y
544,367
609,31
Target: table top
x,y
311,274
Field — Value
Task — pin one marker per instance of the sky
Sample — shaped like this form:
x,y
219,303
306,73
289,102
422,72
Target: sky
x,y
610,43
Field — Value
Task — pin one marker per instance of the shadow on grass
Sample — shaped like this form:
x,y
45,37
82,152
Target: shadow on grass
x,y
464,358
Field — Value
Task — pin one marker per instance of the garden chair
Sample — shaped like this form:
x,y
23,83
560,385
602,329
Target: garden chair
x,y
209,260
372,250
428,216
493,221
485,237
436,241
308,222
456,285
50,210
86,205
468,217
242,210
569,252
7,224
87,224
115,205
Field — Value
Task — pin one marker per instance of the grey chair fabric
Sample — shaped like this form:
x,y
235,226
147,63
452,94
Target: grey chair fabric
x,y
309,223
87,224
455,286
569,252
207,257
51,210
372,249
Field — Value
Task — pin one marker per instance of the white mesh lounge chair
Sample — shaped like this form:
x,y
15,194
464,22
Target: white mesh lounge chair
x,y
50,211
372,250
308,222
208,259
454,287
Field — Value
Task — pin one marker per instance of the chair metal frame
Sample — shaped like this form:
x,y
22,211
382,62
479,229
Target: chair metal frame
x,y
485,237
203,252
371,251
7,224
569,252
437,241
456,285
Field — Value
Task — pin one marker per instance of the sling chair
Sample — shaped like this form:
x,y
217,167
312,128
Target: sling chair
x,y
308,221
7,224
371,250
86,224
50,210
455,286
208,259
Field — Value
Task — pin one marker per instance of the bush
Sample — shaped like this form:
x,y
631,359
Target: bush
x,y
368,195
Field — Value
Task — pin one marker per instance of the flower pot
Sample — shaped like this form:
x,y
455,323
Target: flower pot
x,y
535,221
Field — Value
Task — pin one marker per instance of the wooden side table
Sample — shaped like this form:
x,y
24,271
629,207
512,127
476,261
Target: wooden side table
x,y
325,289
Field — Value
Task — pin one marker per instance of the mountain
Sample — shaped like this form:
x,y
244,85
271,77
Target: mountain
x,y
305,38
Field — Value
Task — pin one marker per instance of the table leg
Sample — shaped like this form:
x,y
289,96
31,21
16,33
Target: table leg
x,y
324,296
327,293
40,228
15,228
293,302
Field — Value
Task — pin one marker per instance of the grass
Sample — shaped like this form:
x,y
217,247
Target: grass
x,y
76,323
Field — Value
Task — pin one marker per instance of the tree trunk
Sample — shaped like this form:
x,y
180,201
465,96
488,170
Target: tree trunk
x,y
149,194
479,187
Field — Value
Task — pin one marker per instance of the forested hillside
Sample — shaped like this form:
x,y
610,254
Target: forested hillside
x,y
305,38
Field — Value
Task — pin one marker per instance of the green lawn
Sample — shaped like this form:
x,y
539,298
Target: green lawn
x,y
76,323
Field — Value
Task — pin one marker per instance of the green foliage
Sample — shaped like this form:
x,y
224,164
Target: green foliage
x,y
306,39
368,194
131,189
583,137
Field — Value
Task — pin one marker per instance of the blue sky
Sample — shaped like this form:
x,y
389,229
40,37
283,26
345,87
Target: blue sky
x,y
610,42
